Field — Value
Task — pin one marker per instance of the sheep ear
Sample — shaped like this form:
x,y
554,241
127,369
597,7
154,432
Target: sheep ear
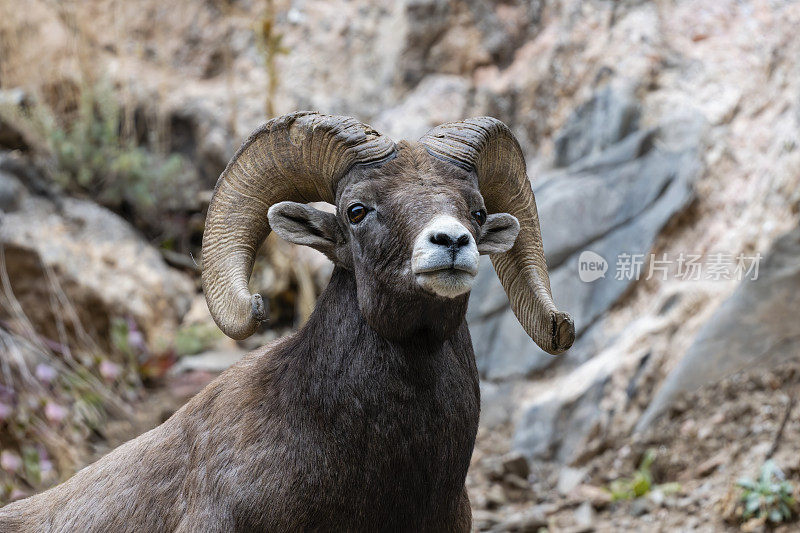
x,y
498,233
302,224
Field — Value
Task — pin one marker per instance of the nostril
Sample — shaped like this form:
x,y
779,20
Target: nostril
x,y
442,239
449,241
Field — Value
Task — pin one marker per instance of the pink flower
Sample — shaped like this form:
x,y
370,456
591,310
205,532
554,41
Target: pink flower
x,y
46,466
10,461
55,412
135,336
17,494
46,373
110,371
5,411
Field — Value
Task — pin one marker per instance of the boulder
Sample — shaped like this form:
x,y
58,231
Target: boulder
x,y
757,325
77,257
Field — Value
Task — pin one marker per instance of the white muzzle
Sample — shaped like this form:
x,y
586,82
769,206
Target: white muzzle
x,y
445,257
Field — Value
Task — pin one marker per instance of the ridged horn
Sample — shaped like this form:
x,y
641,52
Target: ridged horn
x,y
299,157
487,146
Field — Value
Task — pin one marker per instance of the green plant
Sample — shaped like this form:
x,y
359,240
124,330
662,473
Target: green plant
x,y
641,483
196,338
95,156
93,152
770,497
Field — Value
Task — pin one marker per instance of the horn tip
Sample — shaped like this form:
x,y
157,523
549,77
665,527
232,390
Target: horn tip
x,y
258,308
246,325
563,332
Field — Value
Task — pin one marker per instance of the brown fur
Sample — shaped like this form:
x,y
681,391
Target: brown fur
x,y
364,420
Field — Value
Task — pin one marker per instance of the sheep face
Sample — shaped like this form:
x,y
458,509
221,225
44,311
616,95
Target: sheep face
x,y
409,221
410,229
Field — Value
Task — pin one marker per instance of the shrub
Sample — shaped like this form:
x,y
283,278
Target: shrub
x,y
769,498
90,154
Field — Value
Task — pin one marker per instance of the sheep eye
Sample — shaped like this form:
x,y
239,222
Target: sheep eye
x,y
356,213
480,216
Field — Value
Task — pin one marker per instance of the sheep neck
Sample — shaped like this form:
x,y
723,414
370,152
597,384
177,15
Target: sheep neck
x,y
408,322
399,406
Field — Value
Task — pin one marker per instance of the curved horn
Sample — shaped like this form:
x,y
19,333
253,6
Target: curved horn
x,y
299,157
487,145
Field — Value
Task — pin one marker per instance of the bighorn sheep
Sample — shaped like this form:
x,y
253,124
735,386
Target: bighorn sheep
x,y
366,418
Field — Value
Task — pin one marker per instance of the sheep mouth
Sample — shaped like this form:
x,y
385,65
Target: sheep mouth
x,y
448,282
452,268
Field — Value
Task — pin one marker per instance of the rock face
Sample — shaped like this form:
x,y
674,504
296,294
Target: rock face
x,y
757,325
622,186
437,99
607,118
92,258
560,423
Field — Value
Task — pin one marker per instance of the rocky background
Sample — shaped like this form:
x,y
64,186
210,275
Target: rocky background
x,y
663,128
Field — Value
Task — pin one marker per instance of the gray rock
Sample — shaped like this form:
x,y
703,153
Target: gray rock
x,y
593,340
502,348
503,36
568,479
751,327
213,361
605,196
611,202
605,119
528,521
483,520
584,515
497,404
642,506
11,192
437,99
587,301
18,167
563,418
441,37
95,259
517,464
657,497
487,297
427,20
505,351
11,136
557,427
496,496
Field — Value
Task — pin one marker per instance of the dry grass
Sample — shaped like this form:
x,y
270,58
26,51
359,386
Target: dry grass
x,y
55,394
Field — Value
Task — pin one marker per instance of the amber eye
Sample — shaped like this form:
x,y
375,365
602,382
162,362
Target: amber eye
x,y
480,216
356,213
